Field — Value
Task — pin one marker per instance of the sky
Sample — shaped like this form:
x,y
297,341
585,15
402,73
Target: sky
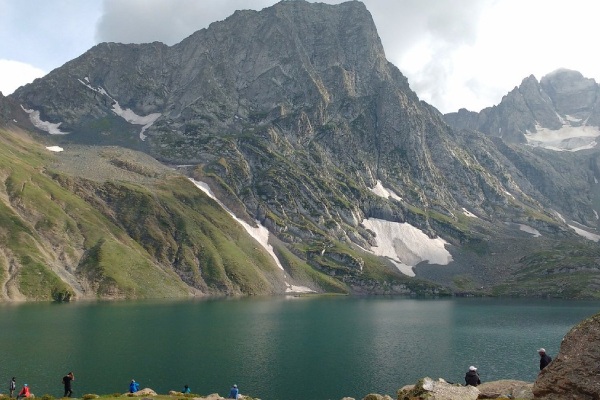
x,y
455,53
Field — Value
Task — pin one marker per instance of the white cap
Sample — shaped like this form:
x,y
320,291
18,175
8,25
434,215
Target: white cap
x,y
472,368
542,350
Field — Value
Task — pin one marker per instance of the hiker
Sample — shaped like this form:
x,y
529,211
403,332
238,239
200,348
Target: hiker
x,y
24,392
134,386
472,377
545,359
186,389
234,392
12,386
66,380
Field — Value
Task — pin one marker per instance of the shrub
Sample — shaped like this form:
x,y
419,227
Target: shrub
x,y
89,396
47,397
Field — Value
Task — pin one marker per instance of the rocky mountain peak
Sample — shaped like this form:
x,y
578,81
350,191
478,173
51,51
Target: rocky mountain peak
x,y
560,112
297,122
572,94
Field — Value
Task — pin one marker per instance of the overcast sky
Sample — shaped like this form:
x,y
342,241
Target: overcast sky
x,y
455,53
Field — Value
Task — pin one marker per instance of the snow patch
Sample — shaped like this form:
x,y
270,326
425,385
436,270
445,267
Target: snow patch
x,y
588,235
596,214
131,117
51,128
381,191
125,113
567,138
405,245
54,148
469,214
259,233
529,229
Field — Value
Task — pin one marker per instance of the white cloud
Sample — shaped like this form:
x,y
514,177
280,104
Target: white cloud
x,y
14,74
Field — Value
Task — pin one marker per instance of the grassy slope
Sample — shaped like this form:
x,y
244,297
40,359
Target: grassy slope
x,y
115,227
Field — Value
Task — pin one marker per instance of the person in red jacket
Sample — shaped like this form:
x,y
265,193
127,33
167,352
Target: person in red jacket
x,y
24,392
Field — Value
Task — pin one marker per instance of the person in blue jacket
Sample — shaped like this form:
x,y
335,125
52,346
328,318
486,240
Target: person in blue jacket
x,y
186,389
234,392
134,386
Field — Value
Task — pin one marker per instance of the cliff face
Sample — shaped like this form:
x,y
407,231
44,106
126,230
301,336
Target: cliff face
x,y
296,119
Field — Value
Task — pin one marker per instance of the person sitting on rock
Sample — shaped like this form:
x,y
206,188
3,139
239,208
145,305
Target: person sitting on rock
x,y
134,386
186,389
472,377
24,392
545,359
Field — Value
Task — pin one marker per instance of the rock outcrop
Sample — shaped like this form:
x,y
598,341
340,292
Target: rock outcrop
x,y
505,388
428,388
575,372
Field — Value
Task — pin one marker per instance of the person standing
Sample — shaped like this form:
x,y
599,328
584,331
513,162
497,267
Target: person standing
x,y
66,380
472,377
234,392
545,359
12,386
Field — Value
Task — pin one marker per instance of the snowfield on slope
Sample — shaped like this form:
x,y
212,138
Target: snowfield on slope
x,y
405,245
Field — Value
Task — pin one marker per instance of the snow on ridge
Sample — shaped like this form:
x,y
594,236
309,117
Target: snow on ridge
x,y
54,148
259,233
588,235
405,245
567,138
127,114
51,128
384,192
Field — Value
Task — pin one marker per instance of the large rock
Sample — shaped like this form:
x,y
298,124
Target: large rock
x,y
575,372
144,392
427,388
506,388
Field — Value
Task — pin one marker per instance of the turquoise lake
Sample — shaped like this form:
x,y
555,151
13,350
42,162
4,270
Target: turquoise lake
x,y
293,348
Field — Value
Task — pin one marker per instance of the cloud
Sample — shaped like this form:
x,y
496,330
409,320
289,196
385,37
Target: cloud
x,y
14,74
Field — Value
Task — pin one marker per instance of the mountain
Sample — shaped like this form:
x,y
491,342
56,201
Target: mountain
x,y
297,122
560,112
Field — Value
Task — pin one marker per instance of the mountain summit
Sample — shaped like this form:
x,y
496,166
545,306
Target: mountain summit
x,y
560,112
297,122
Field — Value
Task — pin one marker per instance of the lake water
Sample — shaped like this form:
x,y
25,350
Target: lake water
x,y
306,348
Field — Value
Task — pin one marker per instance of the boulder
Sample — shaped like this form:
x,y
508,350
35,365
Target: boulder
x,y
144,392
375,396
427,388
574,373
506,388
